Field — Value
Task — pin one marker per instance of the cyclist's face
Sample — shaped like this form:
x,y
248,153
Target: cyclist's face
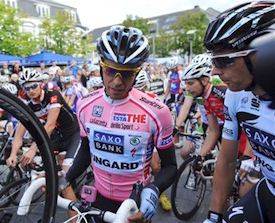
x,y
194,86
236,75
32,89
117,82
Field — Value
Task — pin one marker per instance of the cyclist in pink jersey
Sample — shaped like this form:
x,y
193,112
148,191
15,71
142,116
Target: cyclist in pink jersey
x,y
121,125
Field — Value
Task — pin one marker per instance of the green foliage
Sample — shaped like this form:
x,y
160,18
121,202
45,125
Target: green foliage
x,y
12,41
191,21
139,23
165,44
61,36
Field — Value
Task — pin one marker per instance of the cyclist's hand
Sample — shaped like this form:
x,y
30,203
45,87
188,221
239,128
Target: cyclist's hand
x,y
197,164
62,182
12,160
138,218
213,217
149,200
27,157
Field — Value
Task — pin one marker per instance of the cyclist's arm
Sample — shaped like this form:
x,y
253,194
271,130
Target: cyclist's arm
x,y
18,137
51,120
168,169
81,161
184,111
71,100
167,90
212,137
224,175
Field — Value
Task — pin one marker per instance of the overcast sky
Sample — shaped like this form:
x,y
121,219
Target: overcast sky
x,y
94,14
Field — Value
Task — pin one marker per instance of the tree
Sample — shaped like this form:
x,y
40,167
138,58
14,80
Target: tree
x,y
61,36
191,21
165,44
12,41
138,22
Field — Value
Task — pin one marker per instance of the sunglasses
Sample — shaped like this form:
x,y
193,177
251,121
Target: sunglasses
x,y
227,60
125,73
33,86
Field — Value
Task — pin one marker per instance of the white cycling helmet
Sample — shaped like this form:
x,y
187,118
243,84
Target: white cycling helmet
x,y
172,63
45,76
4,79
141,80
11,88
199,66
95,82
67,79
30,75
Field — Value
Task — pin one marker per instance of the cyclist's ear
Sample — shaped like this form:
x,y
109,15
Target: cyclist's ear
x,y
205,80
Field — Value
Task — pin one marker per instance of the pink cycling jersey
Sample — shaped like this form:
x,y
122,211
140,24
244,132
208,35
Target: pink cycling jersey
x,y
122,135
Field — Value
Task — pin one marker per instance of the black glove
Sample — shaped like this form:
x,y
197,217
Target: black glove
x,y
175,131
197,164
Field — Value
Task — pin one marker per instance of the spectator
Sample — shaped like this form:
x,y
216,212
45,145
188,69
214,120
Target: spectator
x,y
74,68
16,68
5,69
54,68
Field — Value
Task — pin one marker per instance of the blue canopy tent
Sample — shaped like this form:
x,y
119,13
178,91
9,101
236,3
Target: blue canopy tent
x,y
10,59
49,57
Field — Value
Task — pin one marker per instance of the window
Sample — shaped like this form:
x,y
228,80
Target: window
x,y
43,10
12,3
28,27
171,19
72,15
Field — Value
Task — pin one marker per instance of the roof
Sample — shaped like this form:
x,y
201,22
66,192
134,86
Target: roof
x,y
29,7
164,21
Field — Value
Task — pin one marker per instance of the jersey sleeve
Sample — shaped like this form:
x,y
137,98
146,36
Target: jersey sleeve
x,y
55,100
231,128
163,137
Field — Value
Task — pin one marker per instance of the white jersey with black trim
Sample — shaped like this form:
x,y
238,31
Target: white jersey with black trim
x,y
245,110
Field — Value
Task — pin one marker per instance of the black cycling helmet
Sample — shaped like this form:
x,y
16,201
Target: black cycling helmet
x,y
263,64
123,45
237,27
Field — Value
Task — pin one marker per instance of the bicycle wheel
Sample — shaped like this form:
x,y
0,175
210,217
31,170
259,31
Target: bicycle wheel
x,y
185,200
23,113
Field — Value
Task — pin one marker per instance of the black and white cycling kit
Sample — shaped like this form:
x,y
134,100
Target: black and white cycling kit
x,y
66,133
251,113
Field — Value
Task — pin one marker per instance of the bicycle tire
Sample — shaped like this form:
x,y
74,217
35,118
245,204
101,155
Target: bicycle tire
x,y
178,188
26,116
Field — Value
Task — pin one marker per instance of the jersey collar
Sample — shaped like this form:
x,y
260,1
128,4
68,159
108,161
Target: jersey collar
x,y
115,101
207,91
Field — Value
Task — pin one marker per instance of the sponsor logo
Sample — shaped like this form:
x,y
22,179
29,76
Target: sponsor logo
x,y
228,131
226,113
127,117
219,92
264,164
97,111
244,100
54,99
152,103
236,211
149,150
115,164
261,141
165,141
255,104
98,122
134,141
133,152
109,143
90,95
260,137
122,126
